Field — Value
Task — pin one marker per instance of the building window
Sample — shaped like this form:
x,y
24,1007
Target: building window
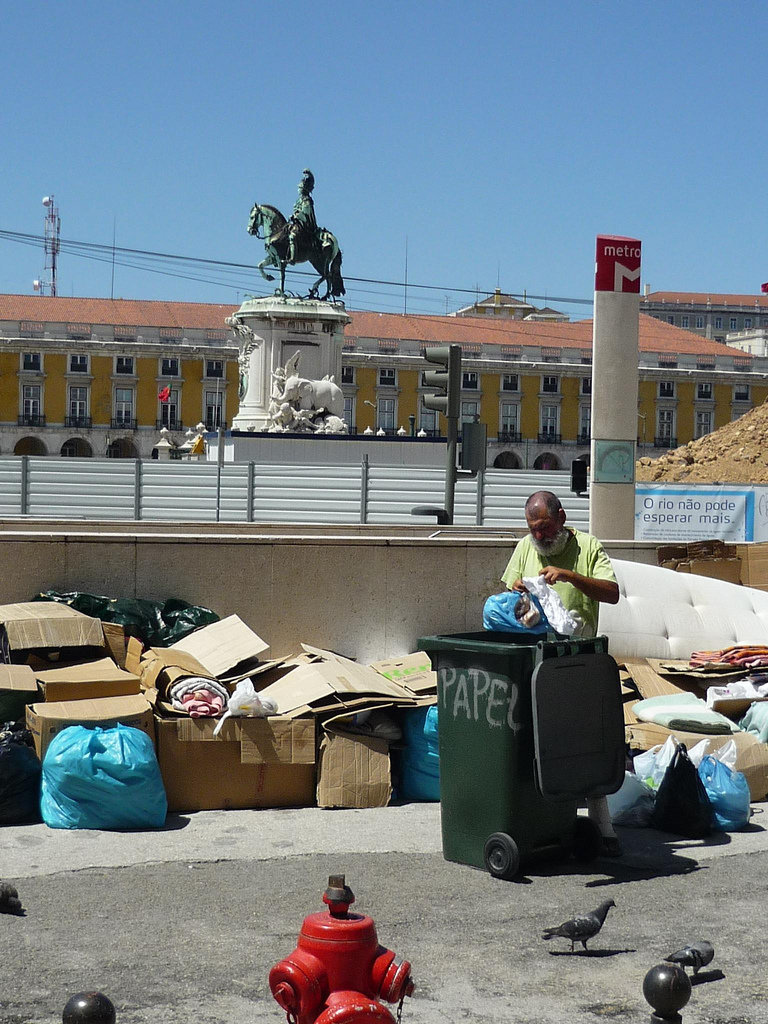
x,y
510,382
469,380
469,411
428,421
169,367
169,411
741,392
78,404
670,320
347,375
349,411
747,322
684,322
666,424
213,407
703,422
31,361
666,389
510,420
387,377
585,422
732,322
124,364
718,323
78,364
550,385
549,418
123,407
699,323
704,392
214,368
386,411
31,400
586,385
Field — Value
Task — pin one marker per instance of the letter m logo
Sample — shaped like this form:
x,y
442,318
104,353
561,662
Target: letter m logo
x,y
624,279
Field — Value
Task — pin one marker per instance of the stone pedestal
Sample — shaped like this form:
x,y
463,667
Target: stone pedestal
x,y
271,331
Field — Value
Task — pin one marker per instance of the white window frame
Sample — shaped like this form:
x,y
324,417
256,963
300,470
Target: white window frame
x,y
718,323
669,384
704,391
469,411
585,419
391,377
733,322
213,409
174,402
509,413
671,320
31,403
547,389
469,380
702,419
214,376
747,323
510,382
553,416
348,371
349,411
428,419
78,355
666,418
121,404
386,415
125,373
586,386
685,321
743,397
31,369
73,403
170,359
699,323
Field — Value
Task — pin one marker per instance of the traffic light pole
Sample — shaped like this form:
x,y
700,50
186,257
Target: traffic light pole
x,y
452,435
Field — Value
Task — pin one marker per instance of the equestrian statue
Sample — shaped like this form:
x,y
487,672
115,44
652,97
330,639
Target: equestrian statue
x,y
298,240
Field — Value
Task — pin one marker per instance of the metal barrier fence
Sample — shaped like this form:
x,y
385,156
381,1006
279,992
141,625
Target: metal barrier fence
x,y
117,489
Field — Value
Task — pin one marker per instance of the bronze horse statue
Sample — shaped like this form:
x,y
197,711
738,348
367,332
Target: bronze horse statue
x,y
322,251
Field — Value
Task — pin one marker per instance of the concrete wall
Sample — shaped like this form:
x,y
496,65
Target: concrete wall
x,y
362,594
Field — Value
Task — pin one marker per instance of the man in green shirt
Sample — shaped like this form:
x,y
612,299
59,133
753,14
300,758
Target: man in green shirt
x,y
574,563
576,566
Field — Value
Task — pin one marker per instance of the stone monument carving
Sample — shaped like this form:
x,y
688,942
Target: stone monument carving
x,y
299,405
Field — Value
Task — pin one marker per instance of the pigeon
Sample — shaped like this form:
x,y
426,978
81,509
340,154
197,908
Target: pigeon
x,y
9,900
697,955
583,928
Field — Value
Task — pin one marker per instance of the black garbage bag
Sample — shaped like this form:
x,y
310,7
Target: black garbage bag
x,y
155,624
20,772
682,805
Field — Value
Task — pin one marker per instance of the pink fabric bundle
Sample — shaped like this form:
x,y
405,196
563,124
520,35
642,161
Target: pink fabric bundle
x,y
203,704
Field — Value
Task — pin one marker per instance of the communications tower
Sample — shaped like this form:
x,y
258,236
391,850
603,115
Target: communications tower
x,y
51,246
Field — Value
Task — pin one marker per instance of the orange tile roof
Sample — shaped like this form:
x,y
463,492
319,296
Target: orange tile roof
x,y
702,298
655,335
125,312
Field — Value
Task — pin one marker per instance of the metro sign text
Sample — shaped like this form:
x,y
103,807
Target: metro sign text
x,y
617,264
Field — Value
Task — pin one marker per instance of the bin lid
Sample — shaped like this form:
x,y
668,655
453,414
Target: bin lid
x,y
578,726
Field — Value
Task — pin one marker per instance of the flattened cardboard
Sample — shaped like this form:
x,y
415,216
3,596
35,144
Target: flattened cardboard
x,y
114,641
162,666
727,569
19,678
133,651
46,720
49,624
414,671
222,646
273,740
86,680
353,771
648,682
214,776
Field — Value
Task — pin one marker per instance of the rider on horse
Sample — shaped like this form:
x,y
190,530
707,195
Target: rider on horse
x,y
302,227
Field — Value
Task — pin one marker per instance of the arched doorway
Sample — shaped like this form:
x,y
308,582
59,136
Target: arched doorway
x,y
547,461
507,460
122,448
30,446
76,448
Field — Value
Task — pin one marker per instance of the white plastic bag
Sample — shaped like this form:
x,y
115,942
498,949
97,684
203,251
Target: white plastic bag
x,y
246,702
651,766
727,753
558,616
633,805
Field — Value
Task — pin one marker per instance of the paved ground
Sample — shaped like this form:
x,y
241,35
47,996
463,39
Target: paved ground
x,y
183,925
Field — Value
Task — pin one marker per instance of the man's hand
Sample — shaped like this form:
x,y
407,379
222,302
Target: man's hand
x,y
597,590
552,574
519,586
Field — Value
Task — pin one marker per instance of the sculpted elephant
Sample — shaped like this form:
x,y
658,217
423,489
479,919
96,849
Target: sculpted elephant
x,y
315,394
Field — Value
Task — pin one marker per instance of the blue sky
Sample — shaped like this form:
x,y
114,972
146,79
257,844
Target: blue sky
x,y
499,138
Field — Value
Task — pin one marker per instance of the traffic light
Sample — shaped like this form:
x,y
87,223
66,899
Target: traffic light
x,y
579,474
447,381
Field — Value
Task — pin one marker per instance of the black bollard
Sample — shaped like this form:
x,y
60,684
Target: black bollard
x,y
89,1008
667,988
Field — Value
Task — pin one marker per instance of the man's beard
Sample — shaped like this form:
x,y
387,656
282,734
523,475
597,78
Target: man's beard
x,y
555,546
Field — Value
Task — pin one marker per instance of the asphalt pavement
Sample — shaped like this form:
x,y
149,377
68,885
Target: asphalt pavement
x,y
183,925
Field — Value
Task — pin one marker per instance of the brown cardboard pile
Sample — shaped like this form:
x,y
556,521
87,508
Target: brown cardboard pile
x,y
652,677
703,558
754,565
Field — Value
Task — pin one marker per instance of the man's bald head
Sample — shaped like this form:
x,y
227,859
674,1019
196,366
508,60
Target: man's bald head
x,y
545,516
543,502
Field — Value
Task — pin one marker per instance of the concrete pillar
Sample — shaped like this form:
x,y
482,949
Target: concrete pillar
x,y
614,388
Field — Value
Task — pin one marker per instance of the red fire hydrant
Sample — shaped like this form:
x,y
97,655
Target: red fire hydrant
x,y
338,971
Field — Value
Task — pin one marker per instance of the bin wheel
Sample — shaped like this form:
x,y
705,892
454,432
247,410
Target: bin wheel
x,y
587,840
501,855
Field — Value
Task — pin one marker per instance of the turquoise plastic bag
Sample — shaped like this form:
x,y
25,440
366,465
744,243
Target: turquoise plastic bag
x,y
420,760
728,793
756,721
499,614
102,779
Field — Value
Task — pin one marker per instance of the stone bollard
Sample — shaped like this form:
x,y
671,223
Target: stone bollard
x,y
89,1008
667,988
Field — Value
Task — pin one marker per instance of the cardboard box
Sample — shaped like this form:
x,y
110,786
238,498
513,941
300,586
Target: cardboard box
x,y
225,649
253,762
133,651
47,720
18,687
353,771
47,624
161,667
727,569
86,681
413,671
754,564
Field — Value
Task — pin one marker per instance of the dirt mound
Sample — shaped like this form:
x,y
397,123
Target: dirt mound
x,y
735,454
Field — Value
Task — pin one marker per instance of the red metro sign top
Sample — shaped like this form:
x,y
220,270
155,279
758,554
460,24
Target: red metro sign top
x,y
617,264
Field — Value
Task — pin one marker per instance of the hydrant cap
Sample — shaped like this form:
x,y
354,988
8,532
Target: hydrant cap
x,y
338,895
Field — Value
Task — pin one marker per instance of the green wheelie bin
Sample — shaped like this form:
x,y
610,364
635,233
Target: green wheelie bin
x,y
528,727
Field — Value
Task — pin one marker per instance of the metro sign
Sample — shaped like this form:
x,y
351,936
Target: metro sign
x,y
617,264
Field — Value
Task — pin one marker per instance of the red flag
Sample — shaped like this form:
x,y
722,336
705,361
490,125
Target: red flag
x,y
764,287
164,394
